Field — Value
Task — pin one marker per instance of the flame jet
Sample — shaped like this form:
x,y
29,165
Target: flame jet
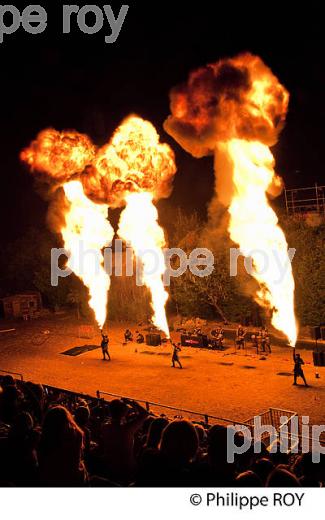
x,y
133,169
139,226
55,158
235,109
136,169
86,227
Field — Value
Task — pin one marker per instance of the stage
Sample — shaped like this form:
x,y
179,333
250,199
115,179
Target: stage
x,y
235,385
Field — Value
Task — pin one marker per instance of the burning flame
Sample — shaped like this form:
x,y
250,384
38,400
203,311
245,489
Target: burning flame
x,y
139,227
85,233
254,226
59,155
133,161
133,168
235,109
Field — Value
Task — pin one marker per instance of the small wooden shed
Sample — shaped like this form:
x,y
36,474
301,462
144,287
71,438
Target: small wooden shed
x,y
26,305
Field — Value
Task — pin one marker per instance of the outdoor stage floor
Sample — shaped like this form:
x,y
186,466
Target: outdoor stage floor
x,y
226,384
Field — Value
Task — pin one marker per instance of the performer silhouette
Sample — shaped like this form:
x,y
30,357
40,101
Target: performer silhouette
x,y
104,345
298,371
175,358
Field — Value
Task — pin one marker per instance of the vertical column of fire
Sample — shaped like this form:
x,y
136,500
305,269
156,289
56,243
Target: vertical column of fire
x,y
85,233
134,169
235,110
140,170
139,227
56,157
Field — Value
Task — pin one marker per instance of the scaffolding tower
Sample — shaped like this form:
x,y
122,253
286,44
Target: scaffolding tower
x,y
302,201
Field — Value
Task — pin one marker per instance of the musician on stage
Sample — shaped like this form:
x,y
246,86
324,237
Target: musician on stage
x,y
128,336
265,340
140,337
240,337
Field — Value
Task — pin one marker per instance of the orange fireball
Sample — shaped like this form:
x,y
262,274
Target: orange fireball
x,y
235,109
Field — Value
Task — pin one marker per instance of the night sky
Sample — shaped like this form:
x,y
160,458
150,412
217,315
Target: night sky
x,y
79,82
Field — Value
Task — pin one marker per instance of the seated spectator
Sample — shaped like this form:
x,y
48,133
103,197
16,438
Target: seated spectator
x,y
179,445
281,478
142,435
155,431
10,401
216,470
34,400
7,380
61,450
263,467
248,479
311,474
21,456
116,444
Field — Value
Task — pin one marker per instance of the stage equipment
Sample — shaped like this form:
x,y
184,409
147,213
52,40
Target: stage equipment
x,y
153,340
315,332
319,358
200,341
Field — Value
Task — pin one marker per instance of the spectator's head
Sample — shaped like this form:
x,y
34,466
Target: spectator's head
x,y
308,469
11,394
118,410
82,415
36,389
58,423
248,479
217,445
278,455
263,467
179,442
155,431
8,380
281,477
22,427
9,403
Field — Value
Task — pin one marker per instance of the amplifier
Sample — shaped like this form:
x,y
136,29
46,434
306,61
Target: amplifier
x,y
315,332
153,340
200,341
319,359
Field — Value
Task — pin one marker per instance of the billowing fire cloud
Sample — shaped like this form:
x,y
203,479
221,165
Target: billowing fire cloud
x,y
133,161
57,156
133,169
235,109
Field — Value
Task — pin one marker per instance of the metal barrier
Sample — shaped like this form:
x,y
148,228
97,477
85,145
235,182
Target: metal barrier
x,y
12,374
163,409
272,418
288,431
